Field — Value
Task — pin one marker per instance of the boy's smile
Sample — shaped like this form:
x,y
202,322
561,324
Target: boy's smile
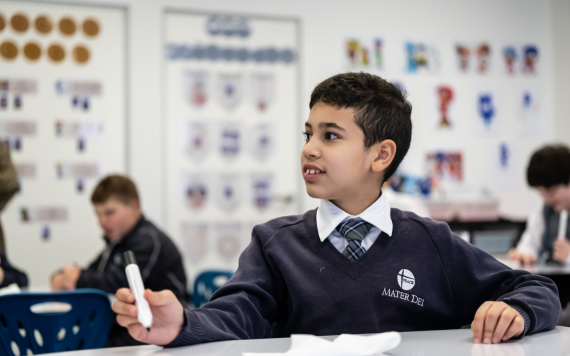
x,y
335,163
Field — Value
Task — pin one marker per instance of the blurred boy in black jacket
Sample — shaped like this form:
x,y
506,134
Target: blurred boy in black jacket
x,y
117,206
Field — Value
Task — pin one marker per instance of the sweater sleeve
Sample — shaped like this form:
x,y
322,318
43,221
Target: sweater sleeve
x,y
476,277
109,280
11,274
243,308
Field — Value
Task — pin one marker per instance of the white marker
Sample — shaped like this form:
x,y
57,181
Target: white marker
x,y
562,224
137,288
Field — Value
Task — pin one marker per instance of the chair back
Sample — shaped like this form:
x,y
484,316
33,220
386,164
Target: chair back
x,y
207,283
38,323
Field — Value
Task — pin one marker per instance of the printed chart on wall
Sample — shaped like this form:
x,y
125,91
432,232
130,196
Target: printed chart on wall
x,y
62,112
232,131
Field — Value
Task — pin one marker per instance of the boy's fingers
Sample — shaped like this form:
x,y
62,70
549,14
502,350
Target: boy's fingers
x,y
138,332
479,322
515,329
125,295
124,308
491,320
504,323
125,320
164,297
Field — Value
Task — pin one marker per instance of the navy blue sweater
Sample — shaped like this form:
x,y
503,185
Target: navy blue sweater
x,y
287,276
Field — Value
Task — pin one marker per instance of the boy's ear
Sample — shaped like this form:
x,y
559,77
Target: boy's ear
x,y
384,153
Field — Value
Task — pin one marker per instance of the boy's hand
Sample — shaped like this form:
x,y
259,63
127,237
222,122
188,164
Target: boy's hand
x,y
561,250
167,316
521,257
495,322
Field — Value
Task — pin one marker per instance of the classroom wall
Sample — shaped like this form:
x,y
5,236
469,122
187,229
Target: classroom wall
x,y
325,27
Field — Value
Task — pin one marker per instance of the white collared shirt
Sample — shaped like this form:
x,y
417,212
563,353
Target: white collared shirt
x,y
330,215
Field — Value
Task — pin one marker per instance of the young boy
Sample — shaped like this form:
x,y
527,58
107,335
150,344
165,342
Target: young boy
x,y
549,172
117,205
354,265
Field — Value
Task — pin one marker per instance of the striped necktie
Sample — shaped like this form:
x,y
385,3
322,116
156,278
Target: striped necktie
x,y
354,231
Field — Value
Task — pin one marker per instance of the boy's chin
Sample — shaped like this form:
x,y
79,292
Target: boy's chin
x,y
316,193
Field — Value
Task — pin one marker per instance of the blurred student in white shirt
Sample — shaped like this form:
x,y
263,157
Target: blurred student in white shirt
x,y
549,172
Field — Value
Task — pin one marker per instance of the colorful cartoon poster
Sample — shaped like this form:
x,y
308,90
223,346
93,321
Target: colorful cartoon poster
x,y
444,167
486,110
473,57
510,59
504,160
443,107
194,238
529,59
195,189
364,53
421,57
521,59
196,88
527,111
228,241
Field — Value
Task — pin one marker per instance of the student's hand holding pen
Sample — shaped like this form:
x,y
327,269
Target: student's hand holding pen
x,y
167,316
561,250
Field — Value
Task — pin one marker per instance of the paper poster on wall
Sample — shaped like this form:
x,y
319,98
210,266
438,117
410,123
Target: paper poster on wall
x,y
527,111
196,139
63,97
504,171
443,108
473,57
444,167
421,57
231,94
228,241
364,53
520,59
529,60
194,241
195,190
486,110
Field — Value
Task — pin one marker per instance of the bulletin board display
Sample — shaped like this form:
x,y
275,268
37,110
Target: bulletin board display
x,y
63,114
232,132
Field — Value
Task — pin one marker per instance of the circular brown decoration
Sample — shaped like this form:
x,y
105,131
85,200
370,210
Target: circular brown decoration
x,y
56,53
2,22
8,50
43,24
20,23
67,26
32,51
91,27
81,54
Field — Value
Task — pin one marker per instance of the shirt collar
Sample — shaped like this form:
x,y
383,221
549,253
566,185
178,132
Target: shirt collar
x,y
330,215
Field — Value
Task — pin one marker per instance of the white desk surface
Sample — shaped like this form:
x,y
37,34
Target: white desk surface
x,y
437,343
538,268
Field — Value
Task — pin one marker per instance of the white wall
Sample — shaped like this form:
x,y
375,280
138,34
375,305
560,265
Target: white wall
x,y
325,25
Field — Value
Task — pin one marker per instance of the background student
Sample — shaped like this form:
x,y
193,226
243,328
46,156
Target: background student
x,y
549,172
117,205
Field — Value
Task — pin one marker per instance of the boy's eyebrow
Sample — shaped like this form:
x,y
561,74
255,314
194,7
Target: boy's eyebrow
x,y
331,125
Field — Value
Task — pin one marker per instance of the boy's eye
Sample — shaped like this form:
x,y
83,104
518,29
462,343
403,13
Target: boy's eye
x,y
307,136
331,136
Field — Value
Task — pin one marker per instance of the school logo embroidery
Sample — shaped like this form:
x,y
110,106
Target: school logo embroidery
x,y
406,279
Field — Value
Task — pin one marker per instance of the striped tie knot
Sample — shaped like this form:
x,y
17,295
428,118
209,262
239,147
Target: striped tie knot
x,y
354,230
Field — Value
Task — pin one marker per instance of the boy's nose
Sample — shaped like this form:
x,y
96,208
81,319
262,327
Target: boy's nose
x,y
311,150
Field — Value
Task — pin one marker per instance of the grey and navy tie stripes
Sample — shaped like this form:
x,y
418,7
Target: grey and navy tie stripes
x,y
354,231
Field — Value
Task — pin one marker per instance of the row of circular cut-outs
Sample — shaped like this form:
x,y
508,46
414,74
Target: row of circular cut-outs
x,y
32,51
44,25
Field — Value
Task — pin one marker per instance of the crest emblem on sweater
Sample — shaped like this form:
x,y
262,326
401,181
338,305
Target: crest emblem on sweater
x,y
406,279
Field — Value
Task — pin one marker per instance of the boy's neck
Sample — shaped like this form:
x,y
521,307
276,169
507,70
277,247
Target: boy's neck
x,y
357,205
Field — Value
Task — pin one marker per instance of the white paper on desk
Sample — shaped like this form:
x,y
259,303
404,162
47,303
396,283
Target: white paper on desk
x,y
11,289
345,344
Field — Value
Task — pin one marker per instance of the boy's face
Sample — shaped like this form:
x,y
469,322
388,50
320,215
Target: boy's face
x,y
335,164
117,218
557,196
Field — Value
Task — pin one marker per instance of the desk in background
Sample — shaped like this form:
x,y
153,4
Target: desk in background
x,y
426,343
